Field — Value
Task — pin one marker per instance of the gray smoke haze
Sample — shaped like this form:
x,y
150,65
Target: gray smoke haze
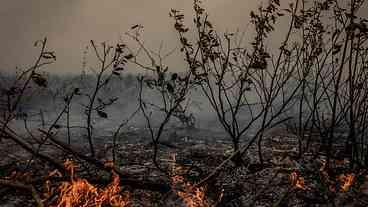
x,y
70,24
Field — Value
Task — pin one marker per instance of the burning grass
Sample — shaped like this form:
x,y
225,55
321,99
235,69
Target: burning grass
x,y
339,183
309,182
296,180
191,196
342,182
79,192
346,180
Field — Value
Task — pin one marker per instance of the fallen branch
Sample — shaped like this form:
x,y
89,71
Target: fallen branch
x,y
239,153
12,136
127,178
217,169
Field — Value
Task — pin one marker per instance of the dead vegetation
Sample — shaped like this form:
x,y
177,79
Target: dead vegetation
x,y
293,117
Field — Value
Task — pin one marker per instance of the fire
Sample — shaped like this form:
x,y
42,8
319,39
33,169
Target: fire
x,y
191,196
297,180
346,181
195,199
79,192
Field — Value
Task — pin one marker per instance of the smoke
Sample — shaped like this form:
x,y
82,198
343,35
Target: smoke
x,y
70,24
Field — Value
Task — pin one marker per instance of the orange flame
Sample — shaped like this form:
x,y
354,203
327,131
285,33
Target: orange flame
x,y
191,196
79,192
296,180
346,181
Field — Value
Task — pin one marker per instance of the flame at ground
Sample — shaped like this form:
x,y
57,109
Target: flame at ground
x,y
346,181
191,196
296,180
79,192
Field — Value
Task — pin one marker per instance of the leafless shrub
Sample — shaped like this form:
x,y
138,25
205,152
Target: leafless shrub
x,y
238,82
332,97
170,93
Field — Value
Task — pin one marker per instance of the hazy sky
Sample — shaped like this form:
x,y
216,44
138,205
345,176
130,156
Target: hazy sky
x,y
70,24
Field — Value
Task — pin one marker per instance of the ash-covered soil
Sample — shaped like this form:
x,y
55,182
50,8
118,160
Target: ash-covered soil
x,y
197,152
